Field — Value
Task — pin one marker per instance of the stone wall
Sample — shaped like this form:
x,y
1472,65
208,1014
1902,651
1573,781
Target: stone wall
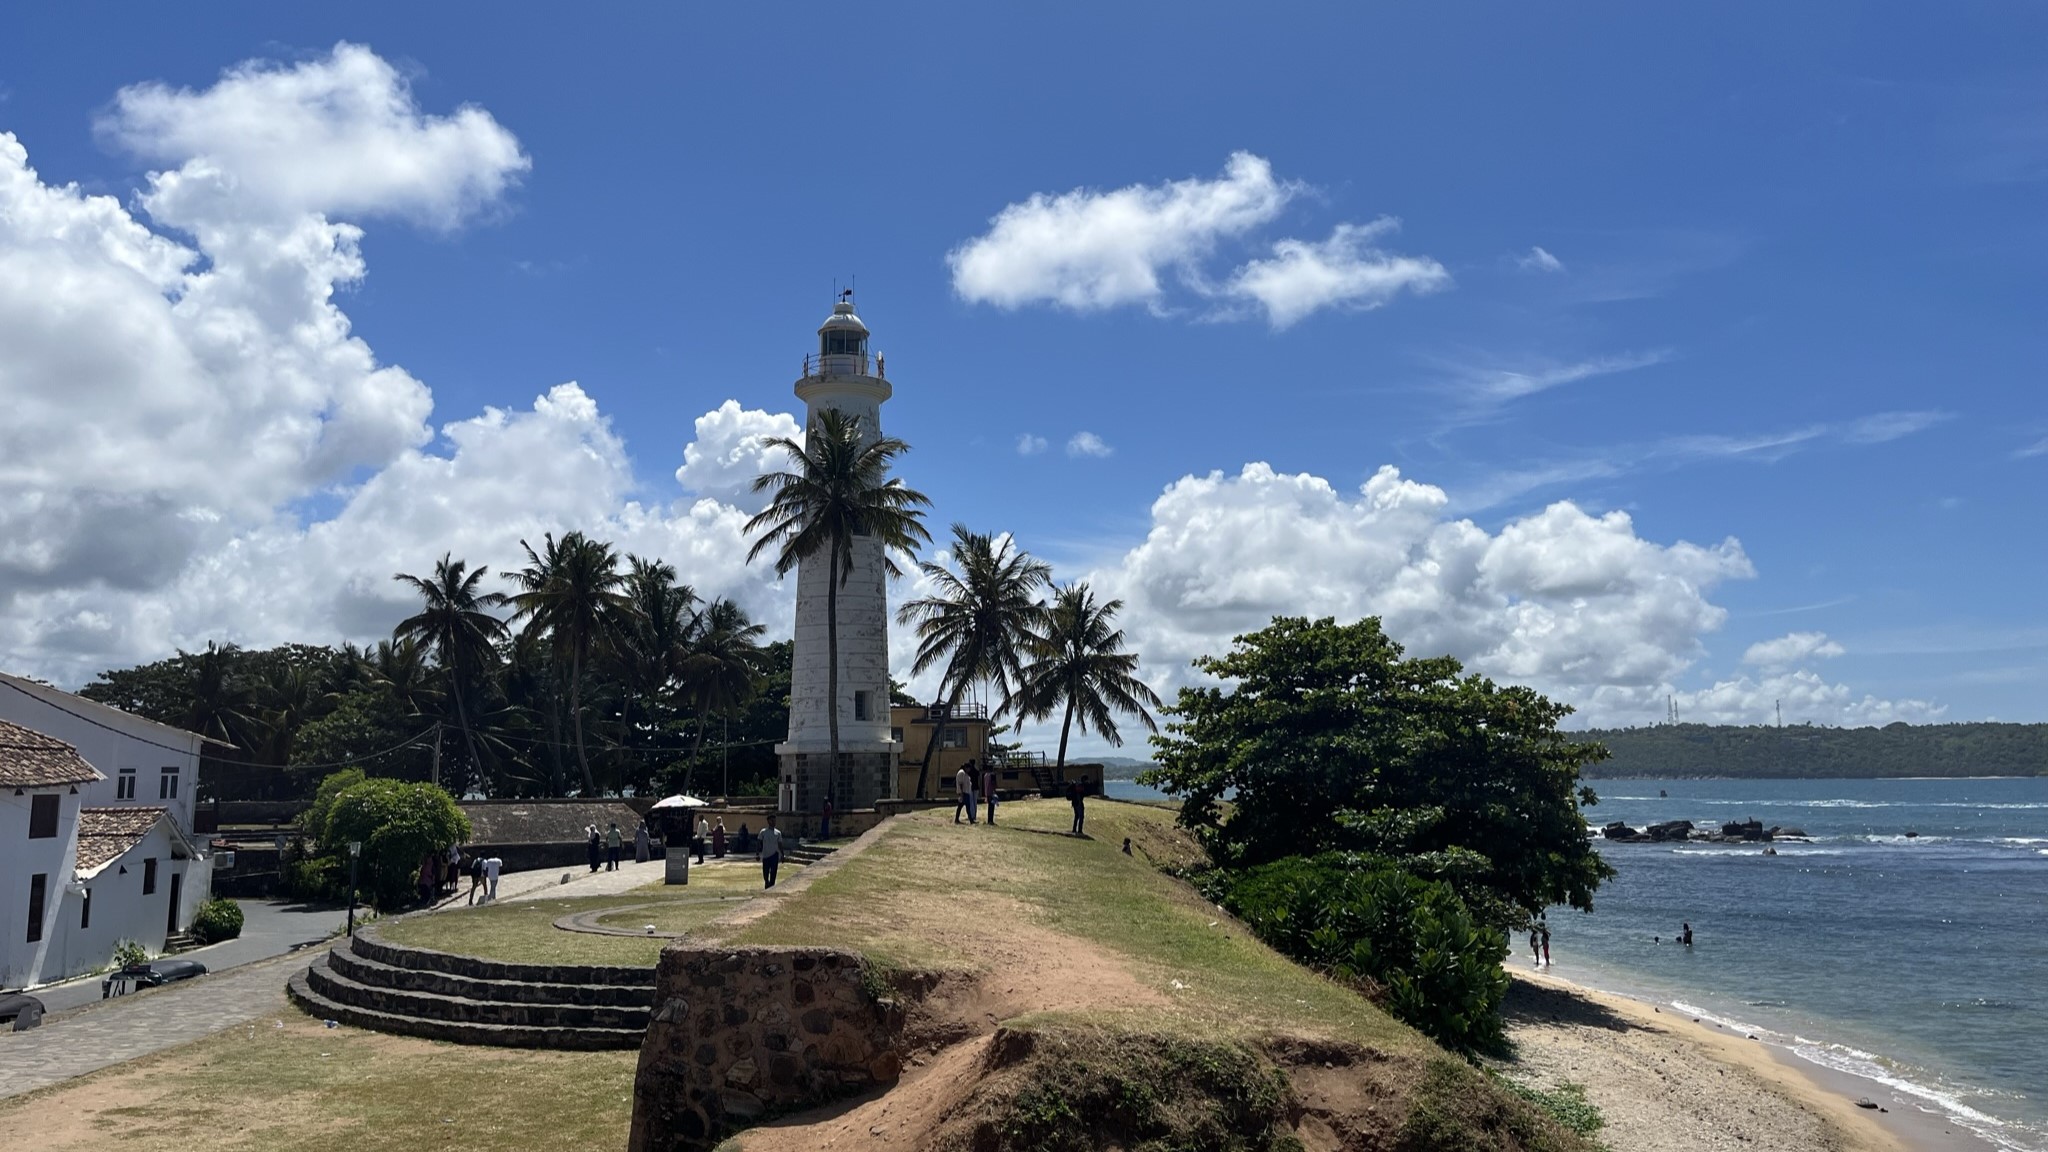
x,y
742,1033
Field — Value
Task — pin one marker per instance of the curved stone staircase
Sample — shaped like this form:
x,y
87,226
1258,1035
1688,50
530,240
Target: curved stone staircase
x,y
371,983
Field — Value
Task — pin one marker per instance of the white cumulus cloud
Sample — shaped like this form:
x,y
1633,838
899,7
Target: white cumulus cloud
x,y
729,452
1029,445
1537,259
1089,249
1088,444
1345,271
1790,649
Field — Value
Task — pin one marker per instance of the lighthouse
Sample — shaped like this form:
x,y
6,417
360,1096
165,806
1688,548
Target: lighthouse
x,y
841,376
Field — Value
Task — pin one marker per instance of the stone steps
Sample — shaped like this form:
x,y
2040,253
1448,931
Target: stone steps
x,y
372,983
500,1035
808,853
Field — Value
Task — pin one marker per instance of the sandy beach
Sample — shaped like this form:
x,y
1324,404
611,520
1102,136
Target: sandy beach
x,y
1668,1083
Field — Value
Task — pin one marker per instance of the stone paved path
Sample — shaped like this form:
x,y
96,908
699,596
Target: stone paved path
x,y
127,1027
107,1032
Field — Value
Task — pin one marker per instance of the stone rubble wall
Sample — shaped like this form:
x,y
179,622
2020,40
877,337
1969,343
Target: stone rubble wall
x,y
742,1033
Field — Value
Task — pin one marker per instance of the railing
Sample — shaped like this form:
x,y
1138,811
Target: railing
x,y
966,710
840,364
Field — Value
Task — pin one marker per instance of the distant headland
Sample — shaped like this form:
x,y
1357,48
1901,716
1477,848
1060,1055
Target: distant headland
x,y
1804,751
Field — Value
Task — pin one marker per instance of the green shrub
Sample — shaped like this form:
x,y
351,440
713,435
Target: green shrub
x,y
1432,964
397,824
129,952
316,878
1566,1104
218,920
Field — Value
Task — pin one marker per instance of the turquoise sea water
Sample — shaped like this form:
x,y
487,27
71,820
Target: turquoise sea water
x,y
1920,962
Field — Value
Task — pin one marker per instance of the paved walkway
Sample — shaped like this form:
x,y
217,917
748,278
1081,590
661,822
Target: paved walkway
x,y
105,1032
269,928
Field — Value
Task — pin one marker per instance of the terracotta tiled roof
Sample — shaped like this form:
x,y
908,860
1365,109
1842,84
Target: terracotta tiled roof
x,y
105,833
29,759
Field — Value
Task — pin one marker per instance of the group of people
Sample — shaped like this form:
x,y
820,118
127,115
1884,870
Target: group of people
x,y
443,871
604,847
971,791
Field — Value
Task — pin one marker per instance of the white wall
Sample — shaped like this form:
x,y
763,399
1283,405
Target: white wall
x,y
119,909
118,740
22,963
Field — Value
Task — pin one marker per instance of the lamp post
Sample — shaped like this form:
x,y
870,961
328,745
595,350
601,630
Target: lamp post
x,y
355,853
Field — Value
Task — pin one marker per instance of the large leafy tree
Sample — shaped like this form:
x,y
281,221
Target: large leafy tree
x,y
837,490
572,591
457,623
1081,669
979,620
1322,737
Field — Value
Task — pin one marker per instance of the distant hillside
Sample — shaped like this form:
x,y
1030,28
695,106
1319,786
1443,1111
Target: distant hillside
x,y
1697,750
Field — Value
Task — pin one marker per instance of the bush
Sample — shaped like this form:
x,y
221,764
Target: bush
x,y
1433,965
218,920
317,878
129,952
397,823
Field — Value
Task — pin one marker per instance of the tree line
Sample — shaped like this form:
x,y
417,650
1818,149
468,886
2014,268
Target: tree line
x,y
593,672
1806,751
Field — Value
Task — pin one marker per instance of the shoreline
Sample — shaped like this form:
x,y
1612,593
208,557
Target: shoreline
x,y
1643,1049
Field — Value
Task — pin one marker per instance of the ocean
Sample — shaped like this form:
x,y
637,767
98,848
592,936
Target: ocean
x,y
1917,961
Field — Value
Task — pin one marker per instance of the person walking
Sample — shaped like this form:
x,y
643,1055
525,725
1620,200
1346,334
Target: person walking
x,y
476,877
1685,929
643,848
963,795
613,841
451,874
1544,929
1077,795
771,852
988,789
824,825
591,845
718,838
430,877
702,838
1535,953
492,867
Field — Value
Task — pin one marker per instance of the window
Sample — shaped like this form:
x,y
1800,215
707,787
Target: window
x,y
953,738
149,876
85,911
167,784
863,706
42,817
38,887
124,785
844,342
896,734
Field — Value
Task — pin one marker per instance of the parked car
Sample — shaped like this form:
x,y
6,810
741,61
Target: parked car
x,y
21,1011
149,974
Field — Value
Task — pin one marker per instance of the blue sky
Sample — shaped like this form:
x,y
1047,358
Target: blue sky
x,y
1749,272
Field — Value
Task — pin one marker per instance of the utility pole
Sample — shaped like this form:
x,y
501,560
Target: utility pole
x,y
1781,713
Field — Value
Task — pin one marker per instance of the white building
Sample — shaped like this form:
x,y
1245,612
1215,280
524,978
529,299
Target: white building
x,y
842,377
95,842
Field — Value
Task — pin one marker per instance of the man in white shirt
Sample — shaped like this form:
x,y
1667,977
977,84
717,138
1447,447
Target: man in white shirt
x,y
492,867
963,792
771,851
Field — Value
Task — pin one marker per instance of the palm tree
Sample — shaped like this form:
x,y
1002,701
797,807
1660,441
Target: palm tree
x,y
457,624
979,621
571,591
720,670
838,489
1079,666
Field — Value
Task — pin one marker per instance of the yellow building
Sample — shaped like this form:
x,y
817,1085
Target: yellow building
x,y
962,736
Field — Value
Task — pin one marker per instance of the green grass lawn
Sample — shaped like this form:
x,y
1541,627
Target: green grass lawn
x,y
1221,982
524,930
314,1089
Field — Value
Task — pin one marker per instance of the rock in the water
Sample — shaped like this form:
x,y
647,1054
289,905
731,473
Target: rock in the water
x,y
1670,830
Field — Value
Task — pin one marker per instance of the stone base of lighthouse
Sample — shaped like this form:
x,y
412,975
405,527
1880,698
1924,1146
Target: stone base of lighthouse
x,y
857,779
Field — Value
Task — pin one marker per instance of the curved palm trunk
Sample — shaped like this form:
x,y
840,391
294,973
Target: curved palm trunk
x,y
576,719
696,747
925,764
468,737
1066,723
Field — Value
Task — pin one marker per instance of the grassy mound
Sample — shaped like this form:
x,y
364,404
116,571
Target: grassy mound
x,y
1132,1013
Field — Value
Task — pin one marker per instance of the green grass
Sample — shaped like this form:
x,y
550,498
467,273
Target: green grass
x,y
524,930
1222,983
312,1089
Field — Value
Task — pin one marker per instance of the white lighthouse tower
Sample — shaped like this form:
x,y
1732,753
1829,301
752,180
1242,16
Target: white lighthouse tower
x,y
842,377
